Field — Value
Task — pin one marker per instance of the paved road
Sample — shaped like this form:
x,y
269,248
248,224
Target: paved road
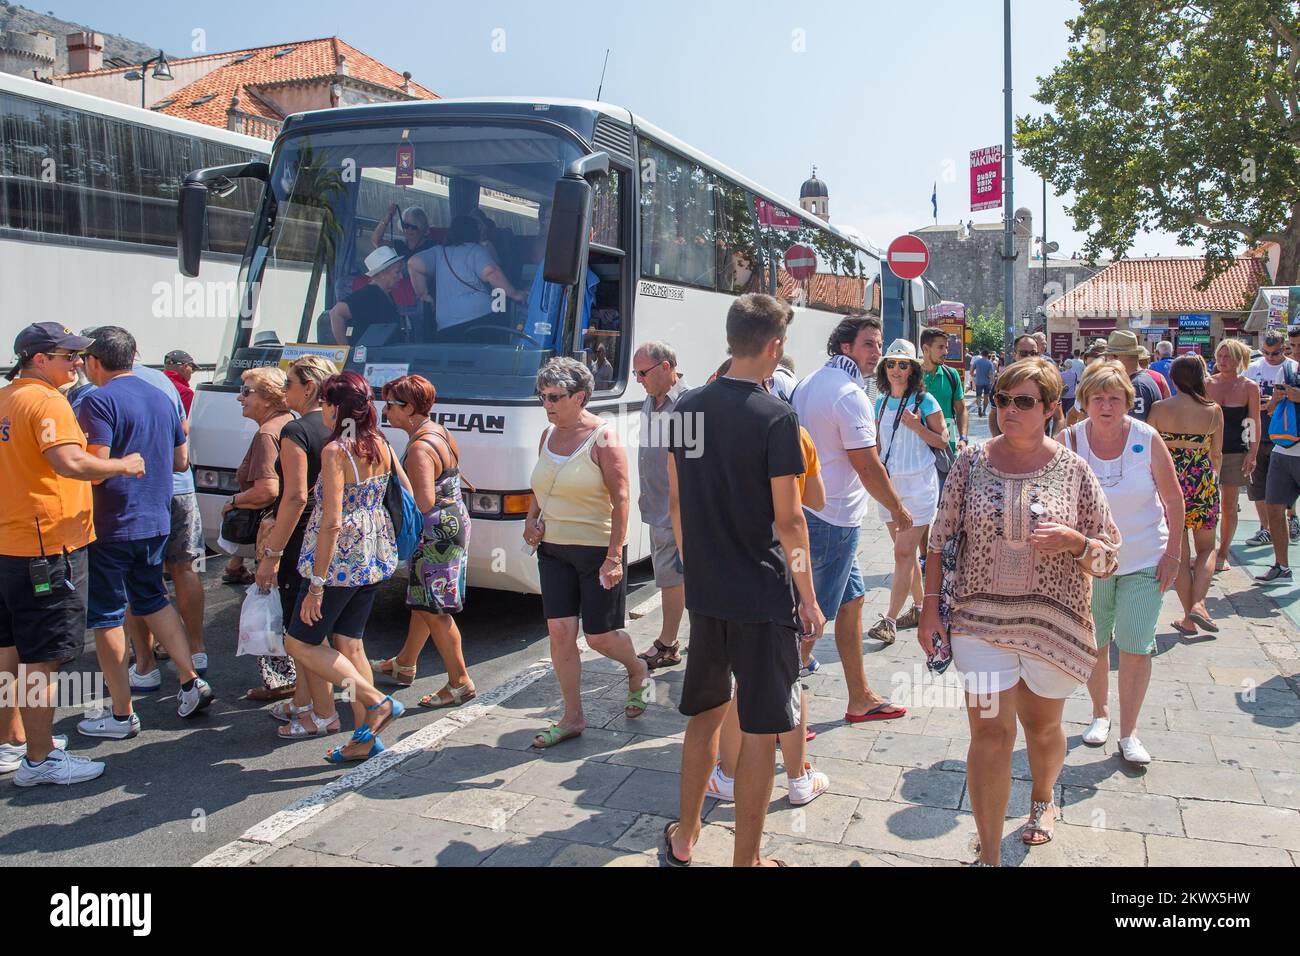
x,y
183,788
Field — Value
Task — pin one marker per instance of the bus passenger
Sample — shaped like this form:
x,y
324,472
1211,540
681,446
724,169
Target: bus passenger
x,y
415,231
464,277
372,304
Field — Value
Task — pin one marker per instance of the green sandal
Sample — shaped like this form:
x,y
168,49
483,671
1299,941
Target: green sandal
x,y
636,701
553,735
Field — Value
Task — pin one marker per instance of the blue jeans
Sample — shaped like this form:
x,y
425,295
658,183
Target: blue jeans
x,y
837,579
123,572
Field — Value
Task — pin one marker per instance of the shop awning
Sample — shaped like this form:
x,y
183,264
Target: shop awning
x,y
1096,325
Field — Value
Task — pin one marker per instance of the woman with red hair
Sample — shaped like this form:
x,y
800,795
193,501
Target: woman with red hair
x,y
349,548
438,565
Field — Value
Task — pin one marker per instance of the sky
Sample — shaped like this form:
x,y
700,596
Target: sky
x,y
886,98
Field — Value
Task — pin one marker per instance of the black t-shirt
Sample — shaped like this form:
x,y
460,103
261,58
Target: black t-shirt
x,y
405,251
730,439
370,305
310,434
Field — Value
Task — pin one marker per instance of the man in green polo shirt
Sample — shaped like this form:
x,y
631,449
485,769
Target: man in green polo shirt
x,y
945,385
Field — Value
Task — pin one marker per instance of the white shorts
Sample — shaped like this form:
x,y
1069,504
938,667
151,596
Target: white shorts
x,y
920,494
989,669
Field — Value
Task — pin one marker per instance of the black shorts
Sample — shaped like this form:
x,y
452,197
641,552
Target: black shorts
x,y
1257,490
983,391
571,584
1283,482
343,611
765,661
51,627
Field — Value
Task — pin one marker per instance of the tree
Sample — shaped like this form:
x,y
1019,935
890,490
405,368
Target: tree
x,y
1183,117
986,330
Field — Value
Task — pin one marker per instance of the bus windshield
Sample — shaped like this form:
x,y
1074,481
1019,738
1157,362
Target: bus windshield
x,y
409,249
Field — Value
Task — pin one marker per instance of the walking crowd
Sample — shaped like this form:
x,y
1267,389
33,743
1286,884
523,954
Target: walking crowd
x,y
1018,560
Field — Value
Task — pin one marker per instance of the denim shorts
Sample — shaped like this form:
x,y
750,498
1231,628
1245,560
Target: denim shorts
x,y
837,579
122,573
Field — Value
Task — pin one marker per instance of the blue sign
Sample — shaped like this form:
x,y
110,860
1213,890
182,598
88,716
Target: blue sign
x,y
1194,320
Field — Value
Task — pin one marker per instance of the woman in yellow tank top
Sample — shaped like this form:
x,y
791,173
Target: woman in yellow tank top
x,y
578,524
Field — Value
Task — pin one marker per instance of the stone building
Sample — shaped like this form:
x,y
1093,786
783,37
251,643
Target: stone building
x,y
31,55
814,197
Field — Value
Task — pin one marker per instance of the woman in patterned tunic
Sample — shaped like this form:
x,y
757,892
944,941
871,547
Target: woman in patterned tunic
x,y
1192,428
1036,530
438,565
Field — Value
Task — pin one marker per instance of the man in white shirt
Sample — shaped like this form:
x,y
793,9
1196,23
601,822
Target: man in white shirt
x,y
833,405
1276,480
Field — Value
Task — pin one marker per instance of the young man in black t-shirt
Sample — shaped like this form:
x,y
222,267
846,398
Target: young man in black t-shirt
x,y
734,501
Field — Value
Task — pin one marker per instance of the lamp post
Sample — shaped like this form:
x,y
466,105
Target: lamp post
x,y
160,72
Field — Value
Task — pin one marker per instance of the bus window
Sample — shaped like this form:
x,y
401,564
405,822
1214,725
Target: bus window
x,y
737,240
677,215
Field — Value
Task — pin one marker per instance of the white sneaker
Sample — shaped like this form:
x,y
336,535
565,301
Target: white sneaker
x,y
11,755
58,767
1097,732
200,662
721,787
195,699
809,787
149,680
108,726
1131,749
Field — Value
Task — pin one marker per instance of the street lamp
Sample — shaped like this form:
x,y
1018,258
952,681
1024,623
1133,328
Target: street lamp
x,y
160,72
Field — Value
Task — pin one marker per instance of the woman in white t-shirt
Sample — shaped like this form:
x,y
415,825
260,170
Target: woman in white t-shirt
x,y
1136,472
909,424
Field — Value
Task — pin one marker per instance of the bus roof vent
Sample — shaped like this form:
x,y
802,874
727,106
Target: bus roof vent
x,y
614,138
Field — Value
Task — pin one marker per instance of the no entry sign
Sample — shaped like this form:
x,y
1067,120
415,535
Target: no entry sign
x,y
800,262
908,257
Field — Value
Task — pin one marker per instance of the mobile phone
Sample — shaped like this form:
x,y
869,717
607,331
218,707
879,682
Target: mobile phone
x,y
39,569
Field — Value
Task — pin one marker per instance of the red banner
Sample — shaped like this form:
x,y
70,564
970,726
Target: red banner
x,y
775,216
986,178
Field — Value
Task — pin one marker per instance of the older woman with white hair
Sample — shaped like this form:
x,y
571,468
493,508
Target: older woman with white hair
x,y
578,523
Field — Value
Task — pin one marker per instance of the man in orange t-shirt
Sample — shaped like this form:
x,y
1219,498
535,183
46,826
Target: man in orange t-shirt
x,y
45,529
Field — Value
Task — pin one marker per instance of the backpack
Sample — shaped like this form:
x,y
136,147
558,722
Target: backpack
x,y
1283,429
408,522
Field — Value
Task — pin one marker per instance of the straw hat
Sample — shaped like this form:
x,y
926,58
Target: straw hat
x,y
901,349
1123,342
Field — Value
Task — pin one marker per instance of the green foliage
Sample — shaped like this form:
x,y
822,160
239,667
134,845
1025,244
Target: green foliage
x,y
1180,117
986,330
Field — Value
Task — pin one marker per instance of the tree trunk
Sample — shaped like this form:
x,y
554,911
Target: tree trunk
x,y
1288,263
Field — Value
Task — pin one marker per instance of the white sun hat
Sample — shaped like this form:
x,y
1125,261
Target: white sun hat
x,y
381,259
902,349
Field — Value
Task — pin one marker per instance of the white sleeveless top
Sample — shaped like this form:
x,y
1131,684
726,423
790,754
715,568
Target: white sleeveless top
x,y
1130,489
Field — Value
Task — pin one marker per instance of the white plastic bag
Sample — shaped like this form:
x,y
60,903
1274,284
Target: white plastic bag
x,y
261,624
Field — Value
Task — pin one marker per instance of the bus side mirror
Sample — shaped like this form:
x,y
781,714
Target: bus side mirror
x,y
191,226
570,223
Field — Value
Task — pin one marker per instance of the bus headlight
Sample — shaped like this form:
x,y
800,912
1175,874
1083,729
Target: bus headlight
x,y
490,504
485,505
216,480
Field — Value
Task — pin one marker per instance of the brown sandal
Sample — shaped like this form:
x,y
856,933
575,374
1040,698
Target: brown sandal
x,y
662,655
399,674
459,695
270,693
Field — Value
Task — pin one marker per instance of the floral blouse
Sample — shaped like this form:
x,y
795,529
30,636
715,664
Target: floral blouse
x,y
366,551
1009,593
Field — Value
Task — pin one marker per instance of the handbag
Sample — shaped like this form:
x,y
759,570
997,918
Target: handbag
x,y
239,525
408,522
952,548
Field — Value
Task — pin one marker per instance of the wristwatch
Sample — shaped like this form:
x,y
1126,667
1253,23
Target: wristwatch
x,y
270,553
317,581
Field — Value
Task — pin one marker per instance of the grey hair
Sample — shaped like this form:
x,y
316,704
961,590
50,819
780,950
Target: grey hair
x,y
1274,337
661,352
1164,348
415,212
568,374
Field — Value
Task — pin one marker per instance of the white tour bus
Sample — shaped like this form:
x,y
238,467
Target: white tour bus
x,y
88,219
662,236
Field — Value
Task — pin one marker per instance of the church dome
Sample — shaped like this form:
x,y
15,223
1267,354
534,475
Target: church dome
x,y
813,188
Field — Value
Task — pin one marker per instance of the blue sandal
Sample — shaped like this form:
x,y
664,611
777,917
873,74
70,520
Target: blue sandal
x,y
360,736
397,710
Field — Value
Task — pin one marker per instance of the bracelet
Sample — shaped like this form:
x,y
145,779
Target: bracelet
x,y
313,590
934,594
617,559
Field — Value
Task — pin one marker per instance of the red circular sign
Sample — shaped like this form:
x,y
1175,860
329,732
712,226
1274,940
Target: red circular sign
x,y
908,256
800,262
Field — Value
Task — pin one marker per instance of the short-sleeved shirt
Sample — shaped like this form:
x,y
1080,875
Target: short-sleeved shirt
x,y
1148,393
182,481
370,305
982,369
652,456
263,451
1070,378
129,415
837,413
907,453
810,463
945,385
461,293
34,416
736,569
311,435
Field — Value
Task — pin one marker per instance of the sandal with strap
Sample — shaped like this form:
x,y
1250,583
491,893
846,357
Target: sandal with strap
x,y
360,736
399,674
1035,827
322,728
459,695
636,701
396,710
663,655
552,735
286,710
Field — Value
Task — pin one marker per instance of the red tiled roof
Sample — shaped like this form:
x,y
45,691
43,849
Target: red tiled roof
x,y
838,293
1161,285
308,60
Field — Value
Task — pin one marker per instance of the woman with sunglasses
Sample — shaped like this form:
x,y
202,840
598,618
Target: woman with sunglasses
x,y
578,524
312,711
1034,530
436,588
906,454
262,399
1137,474
1192,427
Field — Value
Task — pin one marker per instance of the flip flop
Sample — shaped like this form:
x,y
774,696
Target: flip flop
x,y
673,858
879,712
1185,631
553,735
1205,623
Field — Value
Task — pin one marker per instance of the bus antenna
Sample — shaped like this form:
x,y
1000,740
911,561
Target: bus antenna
x,y
602,76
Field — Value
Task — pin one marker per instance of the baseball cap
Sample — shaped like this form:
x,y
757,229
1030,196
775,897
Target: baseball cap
x,y
45,337
178,357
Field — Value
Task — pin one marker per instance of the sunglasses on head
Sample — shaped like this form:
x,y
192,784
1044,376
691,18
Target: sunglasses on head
x,y
1023,402
896,363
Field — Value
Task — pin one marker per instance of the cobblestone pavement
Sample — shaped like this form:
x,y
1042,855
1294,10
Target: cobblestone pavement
x,y
1221,719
